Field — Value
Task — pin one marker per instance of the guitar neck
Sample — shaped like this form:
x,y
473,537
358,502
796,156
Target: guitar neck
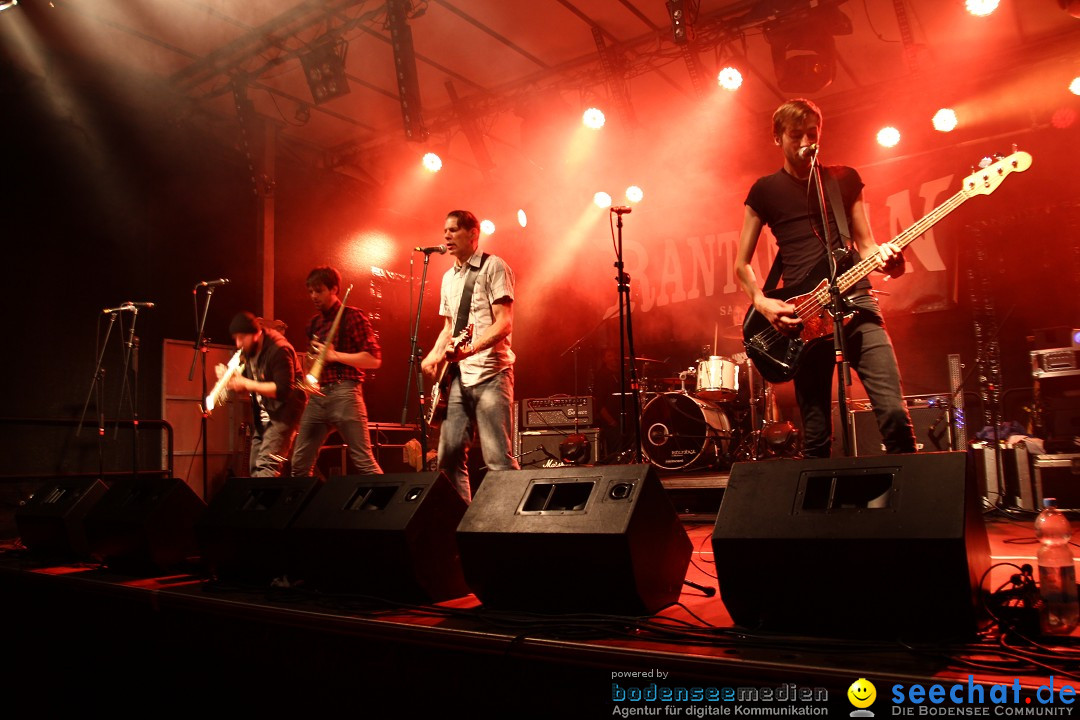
x,y
868,265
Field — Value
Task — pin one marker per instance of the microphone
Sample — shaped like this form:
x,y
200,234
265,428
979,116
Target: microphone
x,y
441,249
622,209
212,283
808,151
128,306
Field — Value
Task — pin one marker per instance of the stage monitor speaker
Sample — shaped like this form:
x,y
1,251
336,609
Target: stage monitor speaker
x,y
242,536
600,539
51,522
144,524
390,536
890,547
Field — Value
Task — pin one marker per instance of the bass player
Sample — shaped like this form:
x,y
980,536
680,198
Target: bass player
x,y
788,203
477,291
338,401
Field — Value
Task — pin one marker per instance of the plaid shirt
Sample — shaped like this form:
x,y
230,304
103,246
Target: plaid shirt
x,y
354,334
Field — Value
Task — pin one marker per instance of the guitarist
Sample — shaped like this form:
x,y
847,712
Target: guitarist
x,y
480,394
349,356
788,203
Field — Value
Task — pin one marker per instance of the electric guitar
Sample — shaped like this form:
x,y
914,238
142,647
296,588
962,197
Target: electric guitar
x,y
441,389
776,355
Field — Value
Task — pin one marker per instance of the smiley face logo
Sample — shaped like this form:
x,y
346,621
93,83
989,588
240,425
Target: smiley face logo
x,y
862,693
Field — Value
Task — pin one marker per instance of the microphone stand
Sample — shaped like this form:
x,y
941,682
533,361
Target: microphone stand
x,y
414,366
131,359
201,349
626,342
98,382
843,370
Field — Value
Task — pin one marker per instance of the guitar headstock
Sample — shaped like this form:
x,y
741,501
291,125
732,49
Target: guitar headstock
x,y
986,180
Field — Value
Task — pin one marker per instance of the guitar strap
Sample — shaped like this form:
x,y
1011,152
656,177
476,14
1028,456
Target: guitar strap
x,y
832,189
466,297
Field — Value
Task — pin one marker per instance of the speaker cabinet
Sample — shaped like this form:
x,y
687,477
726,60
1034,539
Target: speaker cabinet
x,y
144,524
242,536
883,547
933,427
541,447
391,536
51,522
574,539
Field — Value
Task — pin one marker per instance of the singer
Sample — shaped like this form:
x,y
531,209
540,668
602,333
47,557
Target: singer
x,y
787,201
477,290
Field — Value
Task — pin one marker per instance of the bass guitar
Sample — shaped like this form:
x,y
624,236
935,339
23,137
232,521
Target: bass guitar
x,y
776,355
440,391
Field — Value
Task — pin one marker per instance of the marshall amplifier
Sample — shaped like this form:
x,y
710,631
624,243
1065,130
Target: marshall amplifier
x,y
560,411
932,416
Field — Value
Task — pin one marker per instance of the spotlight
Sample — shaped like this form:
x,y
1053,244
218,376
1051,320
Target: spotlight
x,y
593,118
634,194
680,28
803,48
888,137
1063,118
945,120
602,199
729,78
522,219
324,68
1074,86
981,8
487,227
432,162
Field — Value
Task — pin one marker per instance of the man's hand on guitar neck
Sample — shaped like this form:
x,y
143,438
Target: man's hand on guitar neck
x,y
457,353
780,314
891,260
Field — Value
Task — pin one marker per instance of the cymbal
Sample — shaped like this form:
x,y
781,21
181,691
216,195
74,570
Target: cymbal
x,y
650,360
731,332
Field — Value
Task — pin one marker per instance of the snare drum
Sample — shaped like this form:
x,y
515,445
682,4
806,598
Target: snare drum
x,y
717,379
680,431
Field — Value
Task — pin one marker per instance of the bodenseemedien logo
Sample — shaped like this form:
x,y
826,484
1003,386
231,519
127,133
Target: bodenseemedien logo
x,y
862,694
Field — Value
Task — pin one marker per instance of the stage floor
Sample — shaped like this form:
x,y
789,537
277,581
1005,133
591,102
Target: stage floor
x,y
184,639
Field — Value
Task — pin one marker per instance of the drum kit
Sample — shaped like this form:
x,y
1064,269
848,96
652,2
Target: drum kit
x,y
723,411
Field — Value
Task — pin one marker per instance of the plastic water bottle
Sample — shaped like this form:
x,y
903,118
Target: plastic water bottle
x,y
1057,575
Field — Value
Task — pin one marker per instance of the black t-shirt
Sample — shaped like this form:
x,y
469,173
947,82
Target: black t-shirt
x,y
785,205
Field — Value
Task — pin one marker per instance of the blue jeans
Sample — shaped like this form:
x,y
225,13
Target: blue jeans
x,y
484,408
269,448
870,354
342,408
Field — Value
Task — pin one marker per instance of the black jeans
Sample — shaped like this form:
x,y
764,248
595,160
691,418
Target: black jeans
x,y
870,354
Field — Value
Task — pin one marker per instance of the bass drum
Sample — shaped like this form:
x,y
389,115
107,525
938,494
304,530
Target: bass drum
x,y
680,432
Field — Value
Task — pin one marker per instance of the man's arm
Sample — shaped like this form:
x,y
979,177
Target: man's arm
x,y
779,313
438,350
360,331
890,259
502,325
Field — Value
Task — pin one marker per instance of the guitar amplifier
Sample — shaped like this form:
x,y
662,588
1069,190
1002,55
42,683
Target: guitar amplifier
x,y
560,411
932,417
